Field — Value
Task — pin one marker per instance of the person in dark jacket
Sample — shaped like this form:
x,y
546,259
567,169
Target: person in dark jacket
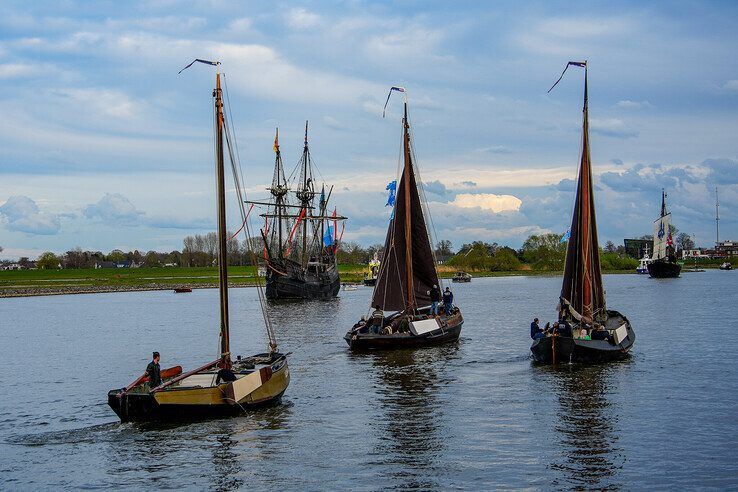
x,y
153,371
377,320
435,297
563,329
448,301
535,330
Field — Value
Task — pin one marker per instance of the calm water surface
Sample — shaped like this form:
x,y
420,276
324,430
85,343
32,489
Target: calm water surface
x,y
476,415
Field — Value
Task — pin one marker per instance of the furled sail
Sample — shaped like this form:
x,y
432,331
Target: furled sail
x,y
661,234
407,271
582,286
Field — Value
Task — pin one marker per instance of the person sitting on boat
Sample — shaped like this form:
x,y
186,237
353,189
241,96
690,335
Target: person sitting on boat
x,y
377,319
225,375
562,328
435,297
599,333
448,301
153,371
535,330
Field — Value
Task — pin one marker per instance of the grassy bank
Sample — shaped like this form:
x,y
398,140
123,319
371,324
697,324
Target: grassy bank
x,y
49,282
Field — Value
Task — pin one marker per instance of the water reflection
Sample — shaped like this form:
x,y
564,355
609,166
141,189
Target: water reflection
x,y
413,414
586,426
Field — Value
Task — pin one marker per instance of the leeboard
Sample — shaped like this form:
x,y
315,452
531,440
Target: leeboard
x,y
424,326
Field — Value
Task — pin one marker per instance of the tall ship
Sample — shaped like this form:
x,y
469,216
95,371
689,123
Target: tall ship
x,y
586,330
664,263
300,235
402,313
224,386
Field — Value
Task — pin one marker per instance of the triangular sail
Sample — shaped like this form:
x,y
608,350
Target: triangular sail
x,y
407,271
582,286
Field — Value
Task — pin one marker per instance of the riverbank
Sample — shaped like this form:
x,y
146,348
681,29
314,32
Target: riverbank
x,y
25,283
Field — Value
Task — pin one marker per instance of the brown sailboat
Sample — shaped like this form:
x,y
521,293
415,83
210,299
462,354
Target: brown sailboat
x,y
223,386
406,276
587,330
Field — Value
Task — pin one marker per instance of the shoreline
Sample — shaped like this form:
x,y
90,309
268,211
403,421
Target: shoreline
x,y
15,291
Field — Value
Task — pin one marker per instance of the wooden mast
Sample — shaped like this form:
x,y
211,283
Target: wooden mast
x,y
408,224
279,199
305,256
222,251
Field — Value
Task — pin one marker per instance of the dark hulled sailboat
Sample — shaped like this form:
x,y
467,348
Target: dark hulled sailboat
x,y
609,335
300,239
406,275
664,262
223,386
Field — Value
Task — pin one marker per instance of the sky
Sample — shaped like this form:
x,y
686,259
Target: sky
x,y
105,146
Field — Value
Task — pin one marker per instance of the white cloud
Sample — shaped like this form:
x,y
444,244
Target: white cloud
x,y
611,127
564,35
302,19
104,101
239,26
23,215
16,70
114,209
487,201
628,104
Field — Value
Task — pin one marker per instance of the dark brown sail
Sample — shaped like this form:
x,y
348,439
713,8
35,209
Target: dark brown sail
x,y
582,286
408,270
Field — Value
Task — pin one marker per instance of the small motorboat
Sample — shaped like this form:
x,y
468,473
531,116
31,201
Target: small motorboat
x,y
461,277
349,287
726,266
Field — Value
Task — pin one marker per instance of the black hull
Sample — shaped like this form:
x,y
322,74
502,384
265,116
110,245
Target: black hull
x,y
664,269
568,350
370,282
302,285
366,341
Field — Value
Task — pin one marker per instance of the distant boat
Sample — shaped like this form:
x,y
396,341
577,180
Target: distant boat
x,y
726,266
598,334
461,277
643,263
664,263
349,287
223,386
182,290
300,239
370,279
407,274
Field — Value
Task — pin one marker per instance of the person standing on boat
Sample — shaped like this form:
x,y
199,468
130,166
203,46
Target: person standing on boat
x,y
448,301
153,371
535,330
377,319
435,297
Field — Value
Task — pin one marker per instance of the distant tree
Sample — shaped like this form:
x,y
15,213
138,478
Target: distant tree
x,y
116,255
504,260
610,247
47,261
544,251
24,262
76,258
684,241
443,248
151,259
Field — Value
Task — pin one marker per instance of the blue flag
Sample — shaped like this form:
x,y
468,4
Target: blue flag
x,y
392,188
328,236
566,236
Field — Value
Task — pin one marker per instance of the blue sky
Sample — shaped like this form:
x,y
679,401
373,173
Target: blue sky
x,y
105,146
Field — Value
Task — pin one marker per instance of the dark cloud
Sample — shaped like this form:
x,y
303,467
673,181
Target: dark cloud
x,y
617,162
722,171
566,185
649,178
23,215
435,187
468,184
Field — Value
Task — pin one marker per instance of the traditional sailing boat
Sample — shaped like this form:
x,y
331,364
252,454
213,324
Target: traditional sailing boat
x,y
664,262
246,382
406,275
299,245
597,334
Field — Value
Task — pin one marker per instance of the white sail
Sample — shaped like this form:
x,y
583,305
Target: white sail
x,y
660,236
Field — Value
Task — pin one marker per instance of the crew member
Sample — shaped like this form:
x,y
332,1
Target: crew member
x,y
153,371
448,301
435,296
377,319
535,330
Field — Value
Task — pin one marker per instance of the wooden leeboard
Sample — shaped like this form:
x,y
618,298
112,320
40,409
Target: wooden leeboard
x,y
243,387
620,333
424,326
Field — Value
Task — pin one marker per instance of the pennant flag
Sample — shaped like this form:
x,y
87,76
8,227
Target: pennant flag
x,y
196,60
661,230
276,142
571,63
328,236
566,236
398,89
392,188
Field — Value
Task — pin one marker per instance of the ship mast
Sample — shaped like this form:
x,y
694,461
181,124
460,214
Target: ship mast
x,y
222,249
408,225
717,221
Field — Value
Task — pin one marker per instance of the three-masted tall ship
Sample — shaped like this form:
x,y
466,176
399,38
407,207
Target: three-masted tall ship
x,y
300,237
664,262
223,386
401,301
587,331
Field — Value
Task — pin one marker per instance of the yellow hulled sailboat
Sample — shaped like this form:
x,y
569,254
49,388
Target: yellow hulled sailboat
x,y
223,386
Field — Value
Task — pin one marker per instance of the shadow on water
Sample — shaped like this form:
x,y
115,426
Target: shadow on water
x,y
586,424
412,413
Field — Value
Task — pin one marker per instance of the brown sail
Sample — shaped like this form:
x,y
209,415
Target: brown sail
x,y
408,270
582,287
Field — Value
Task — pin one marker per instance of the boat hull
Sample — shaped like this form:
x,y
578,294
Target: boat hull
x,y
368,341
664,269
294,283
550,350
370,282
187,403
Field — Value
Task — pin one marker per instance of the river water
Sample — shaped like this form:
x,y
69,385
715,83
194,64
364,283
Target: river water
x,y
474,415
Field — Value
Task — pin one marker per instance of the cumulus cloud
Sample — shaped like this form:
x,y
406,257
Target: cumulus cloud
x,y
487,201
649,178
23,215
722,171
566,185
113,208
612,127
435,187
